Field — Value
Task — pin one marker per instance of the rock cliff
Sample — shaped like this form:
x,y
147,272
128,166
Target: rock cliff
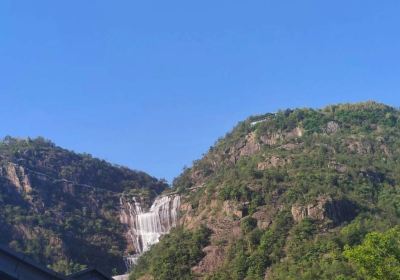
x,y
283,194
63,208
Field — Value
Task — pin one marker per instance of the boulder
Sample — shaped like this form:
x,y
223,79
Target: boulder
x,y
326,208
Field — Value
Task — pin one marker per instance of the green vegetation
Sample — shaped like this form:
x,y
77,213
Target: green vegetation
x,y
299,194
174,256
249,257
43,156
67,267
378,257
67,215
344,157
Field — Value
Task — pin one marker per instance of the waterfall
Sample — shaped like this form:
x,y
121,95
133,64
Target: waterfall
x,y
146,227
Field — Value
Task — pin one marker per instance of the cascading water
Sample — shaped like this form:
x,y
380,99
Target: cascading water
x,y
146,227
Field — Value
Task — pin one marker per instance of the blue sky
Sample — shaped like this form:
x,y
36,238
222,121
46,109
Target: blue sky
x,y
152,84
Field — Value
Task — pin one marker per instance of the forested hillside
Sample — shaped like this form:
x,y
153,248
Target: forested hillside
x,y
297,194
62,208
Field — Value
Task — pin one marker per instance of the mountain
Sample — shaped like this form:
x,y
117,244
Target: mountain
x,y
283,196
64,209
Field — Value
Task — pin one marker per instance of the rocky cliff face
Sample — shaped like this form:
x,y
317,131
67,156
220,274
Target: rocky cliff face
x,y
63,209
283,193
144,227
17,177
325,209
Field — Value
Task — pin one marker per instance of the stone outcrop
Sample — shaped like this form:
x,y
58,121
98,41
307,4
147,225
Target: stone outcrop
x,y
231,209
17,177
272,162
332,127
325,208
314,211
145,227
274,138
270,139
246,147
212,261
294,133
251,146
264,217
360,146
341,168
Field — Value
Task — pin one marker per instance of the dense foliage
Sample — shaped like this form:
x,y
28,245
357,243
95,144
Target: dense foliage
x,y
298,194
378,257
43,156
174,256
343,160
62,208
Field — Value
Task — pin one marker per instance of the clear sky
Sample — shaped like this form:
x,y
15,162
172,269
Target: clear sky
x,y
152,84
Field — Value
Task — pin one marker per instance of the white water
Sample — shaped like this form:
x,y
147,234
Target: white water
x,y
146,227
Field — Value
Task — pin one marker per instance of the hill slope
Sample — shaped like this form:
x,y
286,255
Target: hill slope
x,y
283,194
62,208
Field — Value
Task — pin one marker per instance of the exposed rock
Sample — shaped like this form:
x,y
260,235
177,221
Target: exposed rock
x,y
314,211
197,176
146,277
251,147
360,146
273,161
11,174
185,207
273,138
144,226
332,127
224,227
324,208
382,145
264,218
18,177
212,261
290,146
245,147
295,133
66,192
385,149
231,209
263,166
337,166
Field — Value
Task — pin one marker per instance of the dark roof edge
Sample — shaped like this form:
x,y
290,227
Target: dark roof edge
x,y
28,261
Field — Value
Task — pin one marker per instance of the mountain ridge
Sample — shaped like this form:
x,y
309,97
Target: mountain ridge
x,y
63,208
283,194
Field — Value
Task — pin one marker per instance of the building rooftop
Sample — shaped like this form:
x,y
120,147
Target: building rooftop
x,y
16,266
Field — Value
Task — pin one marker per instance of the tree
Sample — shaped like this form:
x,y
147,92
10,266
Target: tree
x,y
378,257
